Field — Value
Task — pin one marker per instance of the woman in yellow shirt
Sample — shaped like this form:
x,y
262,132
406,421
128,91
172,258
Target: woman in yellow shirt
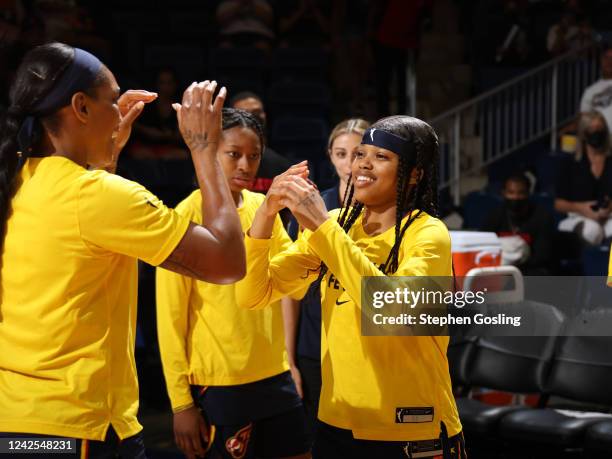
x,y
71,239
227,361
382,396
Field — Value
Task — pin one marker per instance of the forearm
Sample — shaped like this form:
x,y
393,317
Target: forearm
x,y
172,303
219,213
565,206
263,223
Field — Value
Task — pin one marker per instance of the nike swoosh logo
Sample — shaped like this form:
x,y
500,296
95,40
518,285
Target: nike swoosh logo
x,y
150,203
340,303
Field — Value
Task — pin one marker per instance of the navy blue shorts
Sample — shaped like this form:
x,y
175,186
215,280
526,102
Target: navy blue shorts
x,y
263,419
335,443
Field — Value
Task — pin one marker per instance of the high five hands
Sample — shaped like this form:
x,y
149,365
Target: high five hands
x,y
293,189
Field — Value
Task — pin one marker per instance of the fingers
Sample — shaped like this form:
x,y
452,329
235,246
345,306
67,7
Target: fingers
x,y
188,96
196,444
204,432
208,92
133,113
132,96
196,94
220,100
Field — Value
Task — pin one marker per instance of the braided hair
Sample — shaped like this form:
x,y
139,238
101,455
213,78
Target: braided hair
x,y
235,117
411,201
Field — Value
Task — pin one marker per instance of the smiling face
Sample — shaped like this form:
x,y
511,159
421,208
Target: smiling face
x,y
239,154
374,172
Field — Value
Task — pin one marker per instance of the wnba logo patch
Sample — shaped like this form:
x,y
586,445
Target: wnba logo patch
x,y
237,445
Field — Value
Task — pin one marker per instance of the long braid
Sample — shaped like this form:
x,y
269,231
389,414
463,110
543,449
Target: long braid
x,y
346,200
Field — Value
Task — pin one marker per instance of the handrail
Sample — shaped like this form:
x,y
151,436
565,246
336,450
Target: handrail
x,y
512,82
512,115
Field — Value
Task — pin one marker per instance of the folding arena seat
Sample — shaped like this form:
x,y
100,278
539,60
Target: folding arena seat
x,y
460,354
515,364
582,372
598,439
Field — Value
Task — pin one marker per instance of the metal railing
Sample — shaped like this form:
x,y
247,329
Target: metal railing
x,y
488,127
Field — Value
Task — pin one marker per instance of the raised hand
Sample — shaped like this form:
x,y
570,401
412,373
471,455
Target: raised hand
x,y
275,193
131,104
304,201
199,118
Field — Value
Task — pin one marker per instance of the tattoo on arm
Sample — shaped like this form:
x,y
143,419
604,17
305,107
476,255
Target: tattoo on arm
x,y
309,203
196,140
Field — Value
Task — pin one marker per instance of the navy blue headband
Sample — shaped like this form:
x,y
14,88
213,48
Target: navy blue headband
x,y
392,142
79,76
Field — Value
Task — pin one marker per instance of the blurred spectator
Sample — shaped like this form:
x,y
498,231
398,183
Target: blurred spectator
x,y
511,34
272,164
156,133
304,23
69,22
245,23
351,56
525,229
12,15
584,186
571,33
394,27
598,96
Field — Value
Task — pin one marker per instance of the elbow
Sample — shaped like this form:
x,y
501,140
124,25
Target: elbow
x,y
233,274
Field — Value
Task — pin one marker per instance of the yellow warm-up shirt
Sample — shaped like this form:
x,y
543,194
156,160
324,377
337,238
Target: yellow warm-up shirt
x,y
365,378
205,338
69,286
610,268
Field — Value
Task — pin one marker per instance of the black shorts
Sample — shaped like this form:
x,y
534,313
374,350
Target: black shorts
x,y
279,436
263,419
334,443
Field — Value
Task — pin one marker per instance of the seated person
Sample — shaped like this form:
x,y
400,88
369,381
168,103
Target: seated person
x,y
245,23
304,23
156,133
525,229
584,185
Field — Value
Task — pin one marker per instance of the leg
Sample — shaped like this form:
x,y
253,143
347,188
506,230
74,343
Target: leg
x,y
132,447
311,383
282,436
232,442
592,231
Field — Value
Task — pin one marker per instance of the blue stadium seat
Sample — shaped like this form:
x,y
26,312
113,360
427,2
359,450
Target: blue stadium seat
x,y
476,208
299,64
299,98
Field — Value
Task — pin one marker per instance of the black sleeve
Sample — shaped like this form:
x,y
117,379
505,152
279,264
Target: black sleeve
x,y
543,233
563,188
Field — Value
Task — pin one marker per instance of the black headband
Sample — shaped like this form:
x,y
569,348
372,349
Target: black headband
x,y
79,76
388,141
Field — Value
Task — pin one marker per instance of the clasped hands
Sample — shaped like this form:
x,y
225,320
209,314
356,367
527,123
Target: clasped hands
x,y
294,190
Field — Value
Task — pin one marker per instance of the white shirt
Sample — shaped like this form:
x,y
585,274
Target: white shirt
x,y
598,97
